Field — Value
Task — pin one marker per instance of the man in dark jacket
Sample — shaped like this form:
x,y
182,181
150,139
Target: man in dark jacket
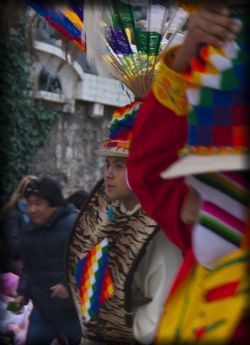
x,y
42,281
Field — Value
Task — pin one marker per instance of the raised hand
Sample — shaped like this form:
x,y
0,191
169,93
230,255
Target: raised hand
x,y
209,25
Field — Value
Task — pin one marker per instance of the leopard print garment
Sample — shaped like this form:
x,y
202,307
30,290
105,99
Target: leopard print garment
x,y
128,237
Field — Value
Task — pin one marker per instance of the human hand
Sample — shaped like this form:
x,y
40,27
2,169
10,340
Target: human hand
x,y
212,25
209,25
59,290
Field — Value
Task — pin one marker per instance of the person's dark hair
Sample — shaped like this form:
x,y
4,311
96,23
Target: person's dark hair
x,y
78,198
45,188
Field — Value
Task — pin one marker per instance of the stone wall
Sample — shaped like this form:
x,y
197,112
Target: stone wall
x,y
85,107
69,152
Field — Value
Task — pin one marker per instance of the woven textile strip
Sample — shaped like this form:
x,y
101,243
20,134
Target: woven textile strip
x,y
216,218
67,18
94,280
218,92
118,41
147,42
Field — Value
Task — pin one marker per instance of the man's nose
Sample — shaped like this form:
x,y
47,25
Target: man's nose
x,y
109,172
31,209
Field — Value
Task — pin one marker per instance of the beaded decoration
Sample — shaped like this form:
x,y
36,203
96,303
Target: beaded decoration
x,y
110,213
121,127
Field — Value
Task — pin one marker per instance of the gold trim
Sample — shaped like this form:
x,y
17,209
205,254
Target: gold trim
x,y
169,87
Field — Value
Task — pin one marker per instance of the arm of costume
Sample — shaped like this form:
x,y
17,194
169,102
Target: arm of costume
x,y
154,278
158,135
12,233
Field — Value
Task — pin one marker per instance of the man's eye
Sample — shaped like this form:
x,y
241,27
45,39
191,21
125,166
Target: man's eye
x,y
119,166
38,204
107,164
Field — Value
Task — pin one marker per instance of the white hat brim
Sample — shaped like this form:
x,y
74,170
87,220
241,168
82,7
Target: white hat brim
x,y
111,153
200,164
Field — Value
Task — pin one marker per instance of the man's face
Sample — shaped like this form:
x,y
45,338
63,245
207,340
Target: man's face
x,y
115,180
39,209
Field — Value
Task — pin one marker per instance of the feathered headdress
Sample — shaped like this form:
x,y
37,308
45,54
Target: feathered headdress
x,y
125,38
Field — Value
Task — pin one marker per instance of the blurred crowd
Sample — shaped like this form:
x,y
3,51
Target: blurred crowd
x,y
158,252
35,202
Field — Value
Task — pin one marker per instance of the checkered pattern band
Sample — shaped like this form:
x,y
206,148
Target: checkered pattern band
x,y
218,92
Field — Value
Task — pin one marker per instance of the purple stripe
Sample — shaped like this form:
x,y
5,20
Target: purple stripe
x,y
237,178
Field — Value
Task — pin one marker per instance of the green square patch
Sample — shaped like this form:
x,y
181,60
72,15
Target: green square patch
x,y
192,117
206,97
229,80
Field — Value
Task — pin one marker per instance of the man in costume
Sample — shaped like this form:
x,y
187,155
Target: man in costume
x,y
120,266
208,301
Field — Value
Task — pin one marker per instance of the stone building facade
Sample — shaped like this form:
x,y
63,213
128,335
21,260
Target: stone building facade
x,y
85,103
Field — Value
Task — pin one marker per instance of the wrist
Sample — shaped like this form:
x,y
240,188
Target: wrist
x,y
183,56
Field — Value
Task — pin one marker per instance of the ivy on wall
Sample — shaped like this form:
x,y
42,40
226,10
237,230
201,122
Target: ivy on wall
x,y
24,124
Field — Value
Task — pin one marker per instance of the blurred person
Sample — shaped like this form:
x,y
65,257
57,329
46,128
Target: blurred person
x,y
14,216
208,302
13,326
42,280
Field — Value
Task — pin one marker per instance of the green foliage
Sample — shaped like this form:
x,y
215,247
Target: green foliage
x,y
24,125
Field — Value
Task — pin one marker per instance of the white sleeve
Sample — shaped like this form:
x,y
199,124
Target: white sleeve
x,y
154,278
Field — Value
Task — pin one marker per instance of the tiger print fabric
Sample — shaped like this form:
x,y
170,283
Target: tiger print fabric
x,y
128,238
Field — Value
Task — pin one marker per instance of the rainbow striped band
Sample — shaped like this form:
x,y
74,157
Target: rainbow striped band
x,y
110,143
202,150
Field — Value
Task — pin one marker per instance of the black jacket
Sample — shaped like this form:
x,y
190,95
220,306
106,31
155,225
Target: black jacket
x,y
12,223
43,253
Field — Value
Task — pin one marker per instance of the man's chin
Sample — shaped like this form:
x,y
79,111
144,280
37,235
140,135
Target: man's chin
x,y
112,196
37,221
